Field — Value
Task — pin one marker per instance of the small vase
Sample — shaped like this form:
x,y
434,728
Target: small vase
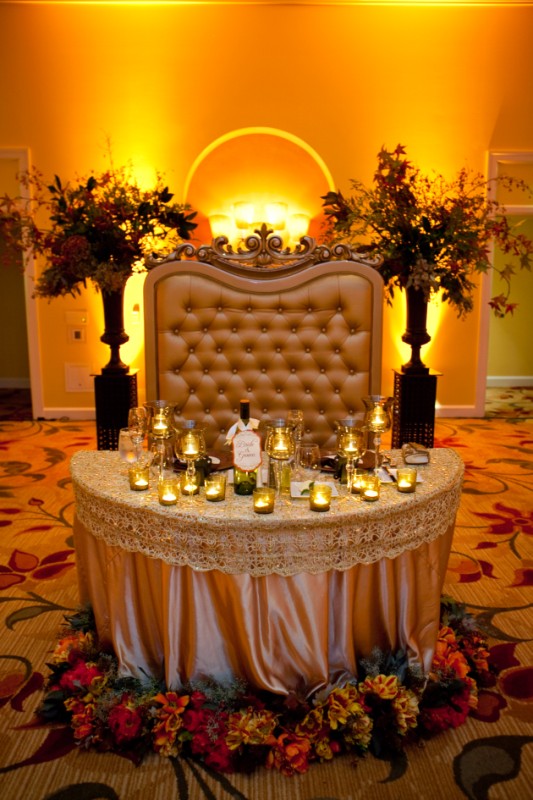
x,y
416,333
114,333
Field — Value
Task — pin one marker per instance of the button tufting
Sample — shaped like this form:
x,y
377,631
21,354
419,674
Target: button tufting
x,y
188,309
192,391
263,369
177,371
248,349
221,391
235,370
322,369
219,349
308,391
337,391
207,411
278,391
206,371
293,369
219,308
191,349
278,349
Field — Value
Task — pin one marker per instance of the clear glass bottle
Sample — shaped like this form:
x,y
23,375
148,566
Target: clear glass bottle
x,y
246,453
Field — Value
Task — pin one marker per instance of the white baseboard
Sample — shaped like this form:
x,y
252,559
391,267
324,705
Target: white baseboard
x,y
68,413
15,383
506,381
457,411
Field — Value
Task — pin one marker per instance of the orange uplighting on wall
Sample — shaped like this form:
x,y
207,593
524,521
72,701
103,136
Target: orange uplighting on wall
x,y
258,175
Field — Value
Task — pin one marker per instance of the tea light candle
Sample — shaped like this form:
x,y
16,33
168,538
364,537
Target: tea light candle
x,y
215,488
167,490
406,479
191,446
139,478
320,497
159,425
189,487
264,499
357,481
370,488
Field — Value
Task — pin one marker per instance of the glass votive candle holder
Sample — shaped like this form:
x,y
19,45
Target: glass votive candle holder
x,y
320,497
139,476
215,488
406,479
370,488
357,480
190,485
168,490
264,499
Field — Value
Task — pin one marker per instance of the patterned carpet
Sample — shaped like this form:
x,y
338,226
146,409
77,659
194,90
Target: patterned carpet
x,y
490,569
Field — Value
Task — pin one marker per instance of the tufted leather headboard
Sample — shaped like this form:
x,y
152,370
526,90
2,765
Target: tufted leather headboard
x,y
303,338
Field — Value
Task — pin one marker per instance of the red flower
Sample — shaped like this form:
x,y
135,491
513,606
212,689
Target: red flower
x,y
451,715
125,721
508,520
80,676
23,565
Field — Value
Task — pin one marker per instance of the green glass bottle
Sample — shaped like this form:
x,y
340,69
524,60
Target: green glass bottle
x,y
246,453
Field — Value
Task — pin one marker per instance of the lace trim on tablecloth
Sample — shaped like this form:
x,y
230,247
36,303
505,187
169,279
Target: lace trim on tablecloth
x,y
230,537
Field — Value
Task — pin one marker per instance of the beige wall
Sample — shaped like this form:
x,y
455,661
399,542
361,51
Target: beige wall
x,y
165,81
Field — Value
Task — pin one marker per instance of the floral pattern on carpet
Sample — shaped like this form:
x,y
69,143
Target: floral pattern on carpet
x,y
490,570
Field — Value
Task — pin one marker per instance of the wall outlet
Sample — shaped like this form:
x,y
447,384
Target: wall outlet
x,y
75,334
78,378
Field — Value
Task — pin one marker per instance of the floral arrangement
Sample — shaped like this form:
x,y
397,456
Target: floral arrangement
x,y
431,233
100,228
232,728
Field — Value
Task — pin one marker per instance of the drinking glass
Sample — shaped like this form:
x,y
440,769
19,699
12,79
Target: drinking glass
x,y
309,466
126,448
137,424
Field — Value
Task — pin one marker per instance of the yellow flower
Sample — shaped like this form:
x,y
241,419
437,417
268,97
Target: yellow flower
x,y
384,686
250,727
341,704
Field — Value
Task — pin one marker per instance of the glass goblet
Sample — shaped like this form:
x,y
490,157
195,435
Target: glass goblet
x,y
126,447
137,424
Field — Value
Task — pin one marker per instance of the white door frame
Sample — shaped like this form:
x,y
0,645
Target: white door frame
x,y
22,155
497,160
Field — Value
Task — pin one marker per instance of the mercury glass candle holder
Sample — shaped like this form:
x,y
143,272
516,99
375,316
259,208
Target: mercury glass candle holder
x,y
264,500
139,476
378,419
350,445
406,479
280,446
370,487
320,497
168,490
215,488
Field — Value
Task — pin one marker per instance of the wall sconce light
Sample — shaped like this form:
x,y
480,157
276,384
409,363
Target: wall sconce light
x,y
248,217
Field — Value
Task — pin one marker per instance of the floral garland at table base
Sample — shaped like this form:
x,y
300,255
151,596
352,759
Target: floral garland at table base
x,y
233,729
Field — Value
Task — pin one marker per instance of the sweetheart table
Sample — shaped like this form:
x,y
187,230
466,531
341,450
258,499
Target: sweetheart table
x,y
288,601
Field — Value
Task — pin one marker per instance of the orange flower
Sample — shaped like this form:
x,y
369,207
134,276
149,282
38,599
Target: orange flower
x,y
250,727
169,722
74,641
289,754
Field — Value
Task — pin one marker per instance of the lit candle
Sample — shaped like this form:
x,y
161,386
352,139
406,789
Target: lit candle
x,y
264,499
215,488
139,478
167,490
320,497
357,480
191,446
370,488
159,425
189,487
406,479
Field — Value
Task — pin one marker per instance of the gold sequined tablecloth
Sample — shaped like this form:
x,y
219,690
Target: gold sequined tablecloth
x,y
230,537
